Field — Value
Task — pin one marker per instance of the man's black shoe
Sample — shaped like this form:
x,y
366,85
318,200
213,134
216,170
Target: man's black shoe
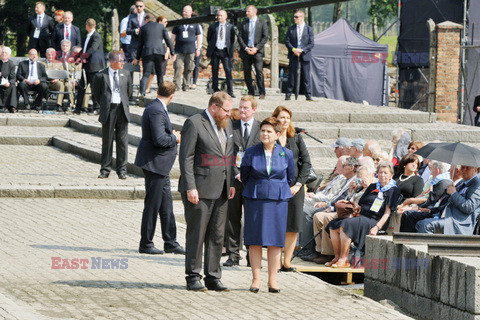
x,y
150,250
232,95
196,285
288,97
93,113
175,250
122,176
311,257
216,285
103,175
309,98
230,262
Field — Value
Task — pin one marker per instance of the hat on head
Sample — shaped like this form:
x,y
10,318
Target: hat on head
x,y
342,142
358,143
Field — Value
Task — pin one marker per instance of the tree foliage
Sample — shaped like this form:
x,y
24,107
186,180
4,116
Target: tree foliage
x,y
383,10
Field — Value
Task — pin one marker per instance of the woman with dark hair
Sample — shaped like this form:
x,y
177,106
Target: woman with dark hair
x,y
407,179
303,165
267,170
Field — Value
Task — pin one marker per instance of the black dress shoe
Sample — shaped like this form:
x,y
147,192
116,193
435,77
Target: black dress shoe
x,y
150,250
76,111
285,269
232,95
176,250
196,286
122,176
93,113
103,175
272,290
254,290
216,285
288,97
231,262
309,98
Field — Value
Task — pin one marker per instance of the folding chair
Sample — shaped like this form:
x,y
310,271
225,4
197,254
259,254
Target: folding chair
x,y
60,75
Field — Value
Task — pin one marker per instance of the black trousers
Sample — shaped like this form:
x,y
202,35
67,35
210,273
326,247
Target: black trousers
x,y
217,57
410,219
305,76
233,228
40,89
87,78
205,225
158,202
257,62
152,64
116,127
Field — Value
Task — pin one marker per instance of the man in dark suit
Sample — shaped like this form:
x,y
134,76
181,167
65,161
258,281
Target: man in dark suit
x,y
66,30
299,43
110,90
205,164
135,22
39,29
221,38
92,61
253,35
246,133
31,76
155,155
152,50
8,78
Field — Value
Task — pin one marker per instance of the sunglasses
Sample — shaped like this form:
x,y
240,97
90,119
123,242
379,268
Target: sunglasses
x,y
139,6
296,17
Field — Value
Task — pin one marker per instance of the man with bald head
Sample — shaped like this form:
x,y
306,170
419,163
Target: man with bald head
x,y
66,30
188,45
32,76
371,146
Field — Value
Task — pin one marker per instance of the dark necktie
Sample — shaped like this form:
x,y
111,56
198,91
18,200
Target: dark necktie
x,y
221,32
115,81
245,135
31,68
223,141
39,23
67,35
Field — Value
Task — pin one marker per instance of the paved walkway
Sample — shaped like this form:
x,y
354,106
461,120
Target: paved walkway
x,y
35,231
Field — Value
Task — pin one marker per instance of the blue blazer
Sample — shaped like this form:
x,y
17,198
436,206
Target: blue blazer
x,y
308,42
58,36
261,185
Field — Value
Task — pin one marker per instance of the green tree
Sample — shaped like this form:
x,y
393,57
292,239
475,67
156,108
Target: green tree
x,y
380,12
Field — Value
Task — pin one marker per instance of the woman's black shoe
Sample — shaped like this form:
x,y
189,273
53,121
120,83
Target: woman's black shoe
x,y
254,290
272,290
285,269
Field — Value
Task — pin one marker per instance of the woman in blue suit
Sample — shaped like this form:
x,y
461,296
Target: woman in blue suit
x,y
267,171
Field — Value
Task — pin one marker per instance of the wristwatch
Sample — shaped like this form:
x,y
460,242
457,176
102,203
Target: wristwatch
x,y
298,184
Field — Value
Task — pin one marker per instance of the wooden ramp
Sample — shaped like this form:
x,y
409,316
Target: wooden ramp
x,y
311,267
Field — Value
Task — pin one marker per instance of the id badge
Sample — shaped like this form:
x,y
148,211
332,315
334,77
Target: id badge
x,y
239,158
377,204
36,33
185,34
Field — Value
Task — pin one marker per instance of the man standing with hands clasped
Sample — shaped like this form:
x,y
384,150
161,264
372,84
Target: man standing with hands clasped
x,y
155,155
299,43
205,164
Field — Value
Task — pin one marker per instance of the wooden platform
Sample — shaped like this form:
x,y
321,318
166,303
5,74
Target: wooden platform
x,y
312,267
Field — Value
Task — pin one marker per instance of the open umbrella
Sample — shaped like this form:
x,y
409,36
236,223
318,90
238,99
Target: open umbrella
x,y
297,77
428,148
454,153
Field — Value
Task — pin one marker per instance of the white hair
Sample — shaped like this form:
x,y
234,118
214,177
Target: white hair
x,y
50,49
442,166
7,50
368,169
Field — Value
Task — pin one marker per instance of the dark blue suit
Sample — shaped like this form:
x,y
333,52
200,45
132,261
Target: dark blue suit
x,y
307,43
59,35
156,155
266,195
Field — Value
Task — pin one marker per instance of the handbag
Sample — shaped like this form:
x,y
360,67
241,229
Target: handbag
x,y
347,209
312,176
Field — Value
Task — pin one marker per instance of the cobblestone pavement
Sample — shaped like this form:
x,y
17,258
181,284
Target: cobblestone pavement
x,y
36,230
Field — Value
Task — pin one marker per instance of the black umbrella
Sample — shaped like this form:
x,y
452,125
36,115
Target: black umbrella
x,y
454,153
297,81
428,148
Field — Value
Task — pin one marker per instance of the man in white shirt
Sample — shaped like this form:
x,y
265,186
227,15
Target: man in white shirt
x,y
32,76
125,38
66,30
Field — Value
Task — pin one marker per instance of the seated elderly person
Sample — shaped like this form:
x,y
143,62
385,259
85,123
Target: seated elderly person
x,y
57,84
324,249
371,146
342,148
356,150
8,78
462,210
376,205
379,156
400,141
31,76
427,207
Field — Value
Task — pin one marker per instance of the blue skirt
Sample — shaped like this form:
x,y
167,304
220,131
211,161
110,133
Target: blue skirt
x,y
265,222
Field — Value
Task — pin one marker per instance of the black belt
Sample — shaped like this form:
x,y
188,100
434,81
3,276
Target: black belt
x,y
115,104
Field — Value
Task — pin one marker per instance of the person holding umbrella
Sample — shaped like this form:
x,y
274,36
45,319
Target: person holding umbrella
x,y
299,43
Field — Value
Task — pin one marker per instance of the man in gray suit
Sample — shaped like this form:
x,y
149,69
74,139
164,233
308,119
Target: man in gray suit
x,y
461,212
111,88
206,154
246,133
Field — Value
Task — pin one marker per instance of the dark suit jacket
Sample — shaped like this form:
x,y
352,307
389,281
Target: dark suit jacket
x,y
8,71
476,104
94,58
203,165
239,143
151,36
59,35
212,35
301,157
46,31
23,68
261,185
259,40
102,93
132,25
158,147
438,190
291,42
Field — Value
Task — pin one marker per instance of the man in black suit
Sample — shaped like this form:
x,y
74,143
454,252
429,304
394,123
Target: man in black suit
x,y
246,133
135,22
40,28
151,50
110,91
92,61
66,30
8,78
253,35
221,38
299,43
155,155
205,159
31,76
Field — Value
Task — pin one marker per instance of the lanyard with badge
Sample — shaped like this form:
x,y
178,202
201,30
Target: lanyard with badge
x,y
185,32
377,204
240,154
